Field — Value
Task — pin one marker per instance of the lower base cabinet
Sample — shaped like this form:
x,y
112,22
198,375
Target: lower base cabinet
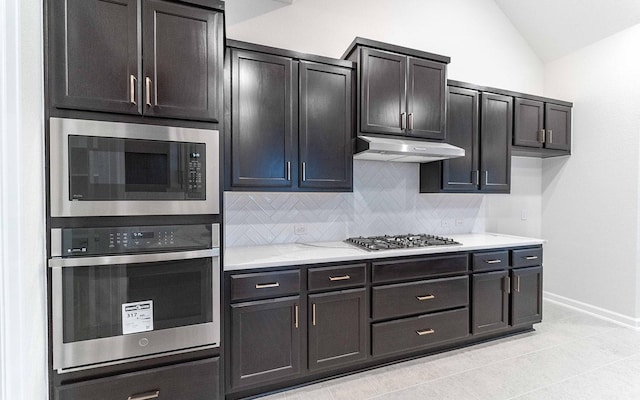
x,y
196,380
337,328
526,296
266,340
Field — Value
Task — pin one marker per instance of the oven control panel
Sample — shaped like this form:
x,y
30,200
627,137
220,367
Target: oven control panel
x,y
82,242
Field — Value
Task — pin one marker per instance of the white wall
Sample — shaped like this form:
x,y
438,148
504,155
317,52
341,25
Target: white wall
x,y
590,200
23,318
484,47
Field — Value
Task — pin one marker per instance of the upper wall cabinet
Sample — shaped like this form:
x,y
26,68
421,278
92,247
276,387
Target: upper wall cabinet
x,y
289,121
400,91
166,62
542,125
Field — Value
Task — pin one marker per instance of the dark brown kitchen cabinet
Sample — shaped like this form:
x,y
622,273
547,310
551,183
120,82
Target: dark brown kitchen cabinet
x,y
481,124
542,125
164,62
401,95
526,296
490,301
265,341
196,380
290,121
337,328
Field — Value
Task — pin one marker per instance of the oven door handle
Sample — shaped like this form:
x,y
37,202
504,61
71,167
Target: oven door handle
x,y
132,258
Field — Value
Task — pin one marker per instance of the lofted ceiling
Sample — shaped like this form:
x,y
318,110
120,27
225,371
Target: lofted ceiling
x,y
553,28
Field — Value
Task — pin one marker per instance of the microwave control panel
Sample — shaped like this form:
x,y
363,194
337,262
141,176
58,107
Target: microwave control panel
x,y
82,242
196,188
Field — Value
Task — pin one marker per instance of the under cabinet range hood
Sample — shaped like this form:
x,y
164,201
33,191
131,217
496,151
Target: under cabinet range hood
x,y
402,150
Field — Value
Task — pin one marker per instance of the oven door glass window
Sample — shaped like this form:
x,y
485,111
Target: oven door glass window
x,y
102,168
98,300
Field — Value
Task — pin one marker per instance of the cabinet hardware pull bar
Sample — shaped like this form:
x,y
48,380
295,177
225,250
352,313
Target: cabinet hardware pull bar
x,y
339,278
550,136
486,178
148,87
496,261
132,90
410,121
288,170
508,282
403,120
542,135
304,171
295,320
427,297
531,258
267,285
518,284
425,332
313,315
145,396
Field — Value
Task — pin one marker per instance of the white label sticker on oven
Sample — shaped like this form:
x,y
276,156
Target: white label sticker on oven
x,y
137,317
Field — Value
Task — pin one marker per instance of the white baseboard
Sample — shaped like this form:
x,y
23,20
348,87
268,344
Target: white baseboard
x,y
593,310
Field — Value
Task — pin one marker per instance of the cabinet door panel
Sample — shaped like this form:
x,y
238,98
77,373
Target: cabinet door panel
x,y
495,157
529,120
337,328
558,125
183,56
262,120
462,131
265,340
490,302
526,303
426,99
383,93
326,156
95,55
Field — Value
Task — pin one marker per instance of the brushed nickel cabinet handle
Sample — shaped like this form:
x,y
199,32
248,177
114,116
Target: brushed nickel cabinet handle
x,y
542,136
507,282
145,396
531,258
403,120
148,87
288,170
304,171
550,136
132,89
496,261
425,332
427,297
267,285
295,319
518,284
313,315
339,278
477,177
486,178
410,121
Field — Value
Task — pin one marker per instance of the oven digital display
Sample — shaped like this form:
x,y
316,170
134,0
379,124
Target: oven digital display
x,y
142,235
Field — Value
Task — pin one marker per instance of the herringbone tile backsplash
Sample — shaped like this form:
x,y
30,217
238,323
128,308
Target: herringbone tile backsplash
x,y
385,200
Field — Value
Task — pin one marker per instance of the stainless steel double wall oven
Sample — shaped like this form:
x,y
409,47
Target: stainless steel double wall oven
x,y
124,293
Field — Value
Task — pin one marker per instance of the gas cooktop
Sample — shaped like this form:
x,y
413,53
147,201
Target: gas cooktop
x,y
386,242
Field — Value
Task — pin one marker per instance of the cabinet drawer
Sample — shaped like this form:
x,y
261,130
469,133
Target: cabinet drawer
x,y
337,277
419,297
196,380
264,284
389,271
419,332
526,257
490,261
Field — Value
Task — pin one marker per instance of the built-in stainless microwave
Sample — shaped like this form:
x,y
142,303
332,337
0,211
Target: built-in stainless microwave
x,y
100,168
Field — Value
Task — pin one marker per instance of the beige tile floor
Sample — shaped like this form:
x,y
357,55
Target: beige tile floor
x,y
571,356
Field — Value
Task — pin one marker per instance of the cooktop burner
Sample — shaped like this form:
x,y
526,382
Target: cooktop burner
x,y
399,241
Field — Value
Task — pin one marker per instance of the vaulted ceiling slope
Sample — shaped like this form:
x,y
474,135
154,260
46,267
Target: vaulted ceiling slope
x,y
555,28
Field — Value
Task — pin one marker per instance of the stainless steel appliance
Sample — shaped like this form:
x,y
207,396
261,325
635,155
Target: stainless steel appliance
x,y
100,168
127,293
400,241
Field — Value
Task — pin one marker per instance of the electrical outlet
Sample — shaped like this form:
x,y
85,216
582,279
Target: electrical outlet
x,y
459,222
300,229
523,214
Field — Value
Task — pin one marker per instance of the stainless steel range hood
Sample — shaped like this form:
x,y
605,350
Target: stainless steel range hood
x,y
403,150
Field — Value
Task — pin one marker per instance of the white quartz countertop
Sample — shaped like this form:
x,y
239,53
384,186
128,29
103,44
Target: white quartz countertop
x,y
277,255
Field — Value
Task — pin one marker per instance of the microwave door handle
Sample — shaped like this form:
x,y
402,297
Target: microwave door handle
x,y
132,259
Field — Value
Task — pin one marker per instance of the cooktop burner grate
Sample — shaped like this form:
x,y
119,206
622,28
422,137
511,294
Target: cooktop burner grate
x,y
386,242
